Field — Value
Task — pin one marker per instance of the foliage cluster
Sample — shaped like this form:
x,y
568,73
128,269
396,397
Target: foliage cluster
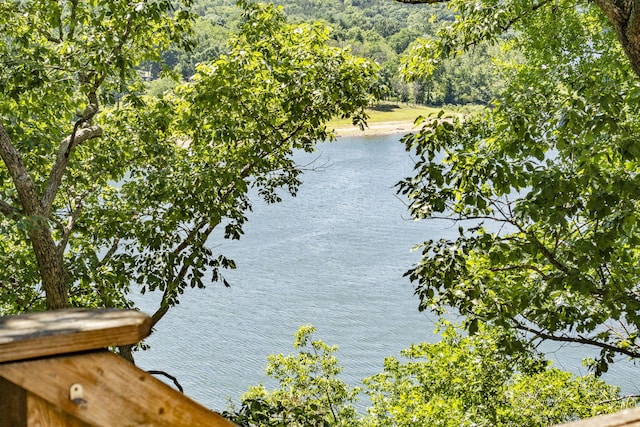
x,y
310,394
543,186
459,381
105,192
381,30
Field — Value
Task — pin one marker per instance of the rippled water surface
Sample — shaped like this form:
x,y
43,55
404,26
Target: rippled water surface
x,y
333,257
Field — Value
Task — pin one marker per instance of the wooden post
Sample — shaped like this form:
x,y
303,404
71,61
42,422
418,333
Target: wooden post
x,y
54,371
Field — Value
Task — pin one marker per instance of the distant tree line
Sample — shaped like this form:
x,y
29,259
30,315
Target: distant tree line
x,y
382,30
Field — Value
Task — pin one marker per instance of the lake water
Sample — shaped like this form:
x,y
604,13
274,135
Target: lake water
x,y
334,257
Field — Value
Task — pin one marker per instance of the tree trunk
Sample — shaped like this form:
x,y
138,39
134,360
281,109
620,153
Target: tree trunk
x,y
53,273
126,352
624,16
50,261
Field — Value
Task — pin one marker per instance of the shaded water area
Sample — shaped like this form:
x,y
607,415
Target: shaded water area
x,y
334,256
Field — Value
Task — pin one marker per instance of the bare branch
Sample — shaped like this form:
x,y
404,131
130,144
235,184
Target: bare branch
x,y
112,250
171,377
8,209
67,229
465,218
618,399
62,160
198,235
577,339
529,267
17,170
72,19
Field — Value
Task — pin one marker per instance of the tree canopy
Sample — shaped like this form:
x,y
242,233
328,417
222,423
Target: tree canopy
x,y
381,30
459,381
543,185
105,192
470,381
310,391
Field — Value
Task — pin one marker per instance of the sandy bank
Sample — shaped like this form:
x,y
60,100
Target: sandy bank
x,y
380,128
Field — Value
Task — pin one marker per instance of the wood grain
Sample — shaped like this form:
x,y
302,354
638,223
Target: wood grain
x,y
626,418
41,413
116,392
34,335
13,405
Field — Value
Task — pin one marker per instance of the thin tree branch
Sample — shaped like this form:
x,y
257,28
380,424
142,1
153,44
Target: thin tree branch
x,y
550,256
24,185
62,160
80,134
170,290
505,27
515,19
576,339
112,250
8,209
171,377
628,396
72,19
203,235
326,391
71,221
521,267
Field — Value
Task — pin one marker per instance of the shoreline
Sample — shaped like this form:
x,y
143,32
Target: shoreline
x,y
376,129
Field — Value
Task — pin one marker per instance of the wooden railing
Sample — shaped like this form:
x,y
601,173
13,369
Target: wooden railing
x,y
55,371
626,418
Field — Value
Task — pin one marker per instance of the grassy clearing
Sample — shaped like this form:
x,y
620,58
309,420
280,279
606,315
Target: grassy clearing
x,y
391,118
399,112
390,112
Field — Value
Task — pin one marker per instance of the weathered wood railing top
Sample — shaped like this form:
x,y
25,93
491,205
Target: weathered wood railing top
x,y
54,332
54,371
626,418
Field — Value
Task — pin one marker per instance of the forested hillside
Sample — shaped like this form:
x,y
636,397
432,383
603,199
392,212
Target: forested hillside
x,y
382,30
